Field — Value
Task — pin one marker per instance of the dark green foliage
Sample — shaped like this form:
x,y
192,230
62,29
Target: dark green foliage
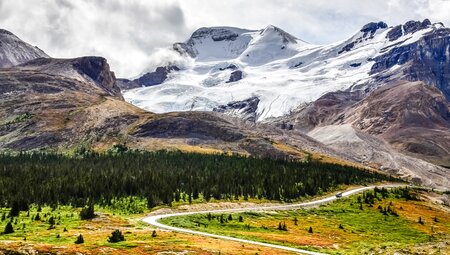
x,y
161,176
241,219
87,213
80,239
230,218
38,217
9,228
116,237
282,226
14,212
51,221
340,226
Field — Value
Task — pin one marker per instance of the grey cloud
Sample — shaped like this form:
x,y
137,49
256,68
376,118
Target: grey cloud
x,y
125,32
131,33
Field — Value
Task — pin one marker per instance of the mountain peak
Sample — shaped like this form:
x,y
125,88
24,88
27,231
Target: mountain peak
x,y
14,51
286,37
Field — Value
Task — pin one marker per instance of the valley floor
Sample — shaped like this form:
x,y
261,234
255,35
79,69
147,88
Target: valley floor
x,y
389,223
343,227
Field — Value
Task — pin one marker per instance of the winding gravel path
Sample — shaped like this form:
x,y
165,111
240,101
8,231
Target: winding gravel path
x,y
154,219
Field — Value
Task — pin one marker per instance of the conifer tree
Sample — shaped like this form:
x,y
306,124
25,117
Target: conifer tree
x,y
9,228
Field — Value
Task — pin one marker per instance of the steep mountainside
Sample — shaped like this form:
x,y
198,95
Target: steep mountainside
x,y
412,116
65,104
14,51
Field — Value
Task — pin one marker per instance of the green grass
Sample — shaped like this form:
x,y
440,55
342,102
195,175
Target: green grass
x,y
25,226
364,231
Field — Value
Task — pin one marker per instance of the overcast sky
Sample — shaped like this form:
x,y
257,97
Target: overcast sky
x,y
129,32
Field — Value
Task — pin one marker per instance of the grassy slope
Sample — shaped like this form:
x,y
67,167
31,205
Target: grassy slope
x,y
138,235
365,230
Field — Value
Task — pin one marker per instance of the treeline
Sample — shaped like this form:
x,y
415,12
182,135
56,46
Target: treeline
x,y
163,177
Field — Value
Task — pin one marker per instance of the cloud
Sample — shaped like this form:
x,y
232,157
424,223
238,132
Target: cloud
x,y
125,32
133,34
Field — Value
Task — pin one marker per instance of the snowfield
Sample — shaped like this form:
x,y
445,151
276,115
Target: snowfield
x,y
281,70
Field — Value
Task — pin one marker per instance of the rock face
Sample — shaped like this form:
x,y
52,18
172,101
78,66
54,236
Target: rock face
x,y
372,27
97,68
426,60
243,109
409,27
235,76
156,77
14,51
149,79
367,33
412,116
94,69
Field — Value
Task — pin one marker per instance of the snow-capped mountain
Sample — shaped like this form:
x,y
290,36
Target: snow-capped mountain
x,y
14,51
232,66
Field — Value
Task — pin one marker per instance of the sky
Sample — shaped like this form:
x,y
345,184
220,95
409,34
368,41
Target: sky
x,y
132,34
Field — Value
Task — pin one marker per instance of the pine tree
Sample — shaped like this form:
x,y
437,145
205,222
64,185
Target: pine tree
x,y
51,221
80,239
241,219
87,213
9,228
116,237
15,210
230,218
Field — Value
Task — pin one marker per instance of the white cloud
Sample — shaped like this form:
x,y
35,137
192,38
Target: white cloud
x,y
128,33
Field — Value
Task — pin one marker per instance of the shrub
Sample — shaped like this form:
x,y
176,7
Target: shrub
x,y
116,237
87,213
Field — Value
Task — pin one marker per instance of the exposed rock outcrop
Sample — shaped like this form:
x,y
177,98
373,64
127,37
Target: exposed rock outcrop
x,y
245,109
156,77
235,76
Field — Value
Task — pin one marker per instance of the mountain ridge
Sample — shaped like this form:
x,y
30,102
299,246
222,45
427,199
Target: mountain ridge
x,y
264,62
